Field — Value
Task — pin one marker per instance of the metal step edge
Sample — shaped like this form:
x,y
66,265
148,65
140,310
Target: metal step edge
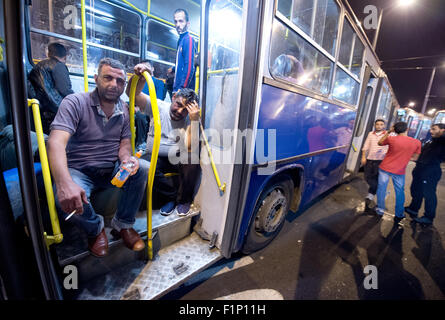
x,y
116,242
158,277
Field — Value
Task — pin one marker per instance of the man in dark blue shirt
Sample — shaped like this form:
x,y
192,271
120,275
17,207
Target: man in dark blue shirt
x,y
427,174
185,68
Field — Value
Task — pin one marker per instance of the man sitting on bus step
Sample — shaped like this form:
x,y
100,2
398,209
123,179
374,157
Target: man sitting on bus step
x,y
90,138
426,176
372,156
401,150
174,123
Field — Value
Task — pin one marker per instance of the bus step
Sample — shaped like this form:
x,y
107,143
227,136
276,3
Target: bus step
x,y
166,230
171,267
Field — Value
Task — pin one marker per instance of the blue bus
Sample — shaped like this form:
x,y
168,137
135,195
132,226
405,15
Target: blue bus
x,y
418,124
297,84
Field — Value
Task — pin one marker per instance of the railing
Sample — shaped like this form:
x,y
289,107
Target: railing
x,y
57,236
154,151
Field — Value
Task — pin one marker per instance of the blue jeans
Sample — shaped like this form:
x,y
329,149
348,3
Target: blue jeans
x,y
399,187
95,178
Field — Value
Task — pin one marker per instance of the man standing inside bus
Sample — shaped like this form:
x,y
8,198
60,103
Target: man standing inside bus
x,y
426,176
90,138
185,67
401,150
372,156
179,119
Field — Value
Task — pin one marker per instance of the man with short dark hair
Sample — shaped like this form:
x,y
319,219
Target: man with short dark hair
x,y
185,56
401,150
159,84
426,176
51,82
177,120
372,156
90,138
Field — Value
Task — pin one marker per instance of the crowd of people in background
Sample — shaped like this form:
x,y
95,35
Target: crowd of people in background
x,y
385,156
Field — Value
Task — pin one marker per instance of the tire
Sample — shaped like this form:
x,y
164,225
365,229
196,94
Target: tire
x,y
269,214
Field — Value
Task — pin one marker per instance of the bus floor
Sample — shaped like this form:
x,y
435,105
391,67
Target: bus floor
x,y
322,252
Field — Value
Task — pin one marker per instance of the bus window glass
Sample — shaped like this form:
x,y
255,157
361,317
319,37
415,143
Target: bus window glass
x,y
74,62
364,108
108,32
107,24
223,72
293,59
384,103
161,42
351,50
318,19
346,88
165,9
440,117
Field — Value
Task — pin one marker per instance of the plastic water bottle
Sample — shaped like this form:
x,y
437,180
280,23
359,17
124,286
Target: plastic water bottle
x,y
124,172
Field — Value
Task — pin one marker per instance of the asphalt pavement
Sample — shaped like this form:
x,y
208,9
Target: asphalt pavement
x,y
322,253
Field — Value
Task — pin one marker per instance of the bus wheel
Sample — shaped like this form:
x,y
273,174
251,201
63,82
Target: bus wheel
x,y
270,213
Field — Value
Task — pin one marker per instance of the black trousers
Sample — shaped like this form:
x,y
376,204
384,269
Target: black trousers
x,y
372,175
188,178
423,186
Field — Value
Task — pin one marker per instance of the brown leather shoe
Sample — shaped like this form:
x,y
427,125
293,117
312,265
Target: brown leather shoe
x,y
98,245
131,238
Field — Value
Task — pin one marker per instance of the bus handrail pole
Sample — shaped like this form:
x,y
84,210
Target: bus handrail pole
x,y
84,45
57,236
154,151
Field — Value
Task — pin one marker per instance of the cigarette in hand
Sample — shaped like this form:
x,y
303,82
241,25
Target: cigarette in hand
x,y
70,215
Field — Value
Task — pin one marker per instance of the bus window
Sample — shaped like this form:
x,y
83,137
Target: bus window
x,y
161,42
293,59
440,117
346,88
224,44
165,8
108,32
362,118
351,50
319,19
384,107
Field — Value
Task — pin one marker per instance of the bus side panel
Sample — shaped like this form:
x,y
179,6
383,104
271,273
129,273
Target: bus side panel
x,y
302,125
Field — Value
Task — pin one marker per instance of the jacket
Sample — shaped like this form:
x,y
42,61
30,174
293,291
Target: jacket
x,y
185,67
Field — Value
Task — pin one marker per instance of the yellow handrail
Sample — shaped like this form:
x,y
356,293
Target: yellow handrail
x,y
84,46
57,236
222,187
154,151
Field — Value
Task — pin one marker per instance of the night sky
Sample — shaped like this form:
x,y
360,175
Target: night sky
x,y
415,31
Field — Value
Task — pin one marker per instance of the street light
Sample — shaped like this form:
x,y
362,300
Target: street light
x,y
411,104
431,112
405,3
401,3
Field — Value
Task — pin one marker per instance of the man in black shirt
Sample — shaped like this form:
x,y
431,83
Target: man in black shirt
x,y
426,176
51,82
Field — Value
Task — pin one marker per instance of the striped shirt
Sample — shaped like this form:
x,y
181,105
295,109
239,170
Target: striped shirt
x,y
371,147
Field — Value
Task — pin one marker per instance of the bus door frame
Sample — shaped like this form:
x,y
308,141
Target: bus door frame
x,y
249,90
14,12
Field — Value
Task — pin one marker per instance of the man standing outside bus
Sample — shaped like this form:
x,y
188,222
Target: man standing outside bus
x,y
426,176
372,156
401,150
185,67
90,138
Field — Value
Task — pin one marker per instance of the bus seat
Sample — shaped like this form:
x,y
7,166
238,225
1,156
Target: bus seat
x,y
13,186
